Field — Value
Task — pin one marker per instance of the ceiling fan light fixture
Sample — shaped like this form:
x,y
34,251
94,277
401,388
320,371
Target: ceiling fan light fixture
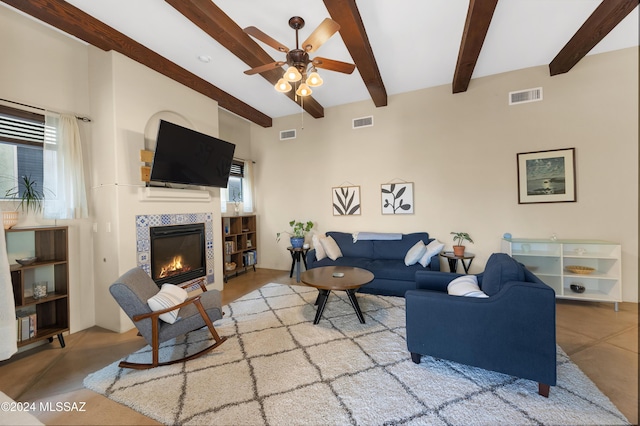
x,y
314,80
292,75
282,86
304,90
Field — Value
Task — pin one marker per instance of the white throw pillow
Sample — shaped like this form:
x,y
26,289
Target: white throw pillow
x,y
433,249
415,253
320,253
331,248
169,295
466,285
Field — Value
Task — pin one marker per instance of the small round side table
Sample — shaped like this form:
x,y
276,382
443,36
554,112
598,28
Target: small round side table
x,y
453,260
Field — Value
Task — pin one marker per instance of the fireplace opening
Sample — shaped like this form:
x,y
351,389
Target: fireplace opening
x,y
177,253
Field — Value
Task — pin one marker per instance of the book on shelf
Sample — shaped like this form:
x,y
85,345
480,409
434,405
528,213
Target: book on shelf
x,y
26,326
250,258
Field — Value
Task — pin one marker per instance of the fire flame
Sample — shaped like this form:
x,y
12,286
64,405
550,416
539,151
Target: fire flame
x,y
174,267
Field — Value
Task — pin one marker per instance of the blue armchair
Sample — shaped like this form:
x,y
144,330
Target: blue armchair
x,y
513,331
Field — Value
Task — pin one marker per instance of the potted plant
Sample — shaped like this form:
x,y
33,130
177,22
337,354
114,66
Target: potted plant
x,y
28,196
459,238
298,231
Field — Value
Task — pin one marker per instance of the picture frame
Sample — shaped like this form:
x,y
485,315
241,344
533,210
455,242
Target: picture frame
x,y
397,198
547,176
346,200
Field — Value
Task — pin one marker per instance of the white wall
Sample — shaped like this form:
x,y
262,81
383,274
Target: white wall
x,y
460,152
128,95
47,69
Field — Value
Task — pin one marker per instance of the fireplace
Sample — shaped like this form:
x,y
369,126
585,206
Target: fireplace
x,y
177,253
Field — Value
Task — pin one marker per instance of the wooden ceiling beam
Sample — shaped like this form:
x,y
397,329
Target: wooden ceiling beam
x,y
354,35
604,19
217,24
479,17
74,21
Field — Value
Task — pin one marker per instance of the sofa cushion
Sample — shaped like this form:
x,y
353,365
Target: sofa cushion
x,y
415,253
331,248
351,249
320,253
466,285
356,262
500,269
393,269
433,249
397,249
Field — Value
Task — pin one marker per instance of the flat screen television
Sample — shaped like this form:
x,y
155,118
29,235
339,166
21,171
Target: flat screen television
x,y
184,156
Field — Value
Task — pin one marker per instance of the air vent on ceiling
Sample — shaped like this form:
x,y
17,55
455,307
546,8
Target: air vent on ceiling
x,y
524,96
362,122
287,134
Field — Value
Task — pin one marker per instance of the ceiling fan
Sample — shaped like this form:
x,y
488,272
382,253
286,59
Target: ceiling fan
x,y
298,60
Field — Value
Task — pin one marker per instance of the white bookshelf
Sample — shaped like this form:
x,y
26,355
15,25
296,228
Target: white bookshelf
x,y
548,260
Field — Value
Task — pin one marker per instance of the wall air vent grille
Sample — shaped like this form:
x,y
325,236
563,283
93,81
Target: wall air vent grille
x,y
362,122
287,134
525,96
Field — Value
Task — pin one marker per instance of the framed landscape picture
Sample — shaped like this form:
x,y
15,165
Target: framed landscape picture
x,y
346,200
547,176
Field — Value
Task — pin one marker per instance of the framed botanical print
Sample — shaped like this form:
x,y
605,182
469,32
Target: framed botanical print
x,y
547,176
397,198
346,200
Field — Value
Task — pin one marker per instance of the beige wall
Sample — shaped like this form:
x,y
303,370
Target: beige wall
x,y
131,95
460,152
46,69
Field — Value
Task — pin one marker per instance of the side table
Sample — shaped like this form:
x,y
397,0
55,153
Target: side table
x,y
453,260
296,254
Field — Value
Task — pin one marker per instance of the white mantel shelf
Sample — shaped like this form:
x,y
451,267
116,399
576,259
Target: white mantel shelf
x,y
173,194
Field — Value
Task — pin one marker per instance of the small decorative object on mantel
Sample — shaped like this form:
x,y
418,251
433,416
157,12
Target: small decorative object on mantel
x,y
459,238
298,231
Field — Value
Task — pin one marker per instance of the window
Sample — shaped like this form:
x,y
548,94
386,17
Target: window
x,y
234,188
21,146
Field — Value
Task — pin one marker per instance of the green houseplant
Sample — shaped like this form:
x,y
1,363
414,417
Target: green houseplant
x,y
459,238
28,195
297,233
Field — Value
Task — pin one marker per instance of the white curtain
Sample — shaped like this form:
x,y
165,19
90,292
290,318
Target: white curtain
x,y
8,335
64,187
247,187
224,194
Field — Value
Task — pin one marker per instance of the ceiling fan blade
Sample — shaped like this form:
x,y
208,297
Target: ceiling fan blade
x,y
325,30
253,31
331,65
265,67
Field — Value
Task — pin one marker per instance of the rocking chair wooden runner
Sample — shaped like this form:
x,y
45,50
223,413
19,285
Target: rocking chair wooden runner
x,y
135,287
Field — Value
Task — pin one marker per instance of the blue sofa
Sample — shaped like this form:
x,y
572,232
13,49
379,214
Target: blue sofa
x,y
513,331
384,258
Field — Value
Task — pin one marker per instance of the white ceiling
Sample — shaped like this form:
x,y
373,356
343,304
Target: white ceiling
x,y
415,42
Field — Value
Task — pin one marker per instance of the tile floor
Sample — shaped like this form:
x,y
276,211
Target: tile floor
x,y
602,342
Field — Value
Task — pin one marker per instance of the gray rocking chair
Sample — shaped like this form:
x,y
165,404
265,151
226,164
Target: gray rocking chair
x,y
135,287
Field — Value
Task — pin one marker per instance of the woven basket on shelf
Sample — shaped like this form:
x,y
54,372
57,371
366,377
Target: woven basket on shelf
x,y
582,270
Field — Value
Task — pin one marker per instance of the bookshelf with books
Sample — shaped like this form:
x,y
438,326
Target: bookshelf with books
x,y
239,244
40,288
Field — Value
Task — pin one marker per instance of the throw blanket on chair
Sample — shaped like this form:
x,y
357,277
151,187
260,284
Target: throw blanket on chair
x,y
376,236
8,337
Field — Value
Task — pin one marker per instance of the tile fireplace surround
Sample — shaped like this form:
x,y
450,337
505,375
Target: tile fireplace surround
x,y
146,221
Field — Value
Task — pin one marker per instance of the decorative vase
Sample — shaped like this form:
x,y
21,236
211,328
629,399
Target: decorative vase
x,y
458,250
9,219
297,242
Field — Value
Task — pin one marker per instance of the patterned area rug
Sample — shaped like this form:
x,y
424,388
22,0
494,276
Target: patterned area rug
x,y
277,368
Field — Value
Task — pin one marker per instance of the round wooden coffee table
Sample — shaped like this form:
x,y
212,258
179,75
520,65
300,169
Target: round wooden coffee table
x,y
327,279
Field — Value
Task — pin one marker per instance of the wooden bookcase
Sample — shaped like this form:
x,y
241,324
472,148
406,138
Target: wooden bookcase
x,y
50,246
239,244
